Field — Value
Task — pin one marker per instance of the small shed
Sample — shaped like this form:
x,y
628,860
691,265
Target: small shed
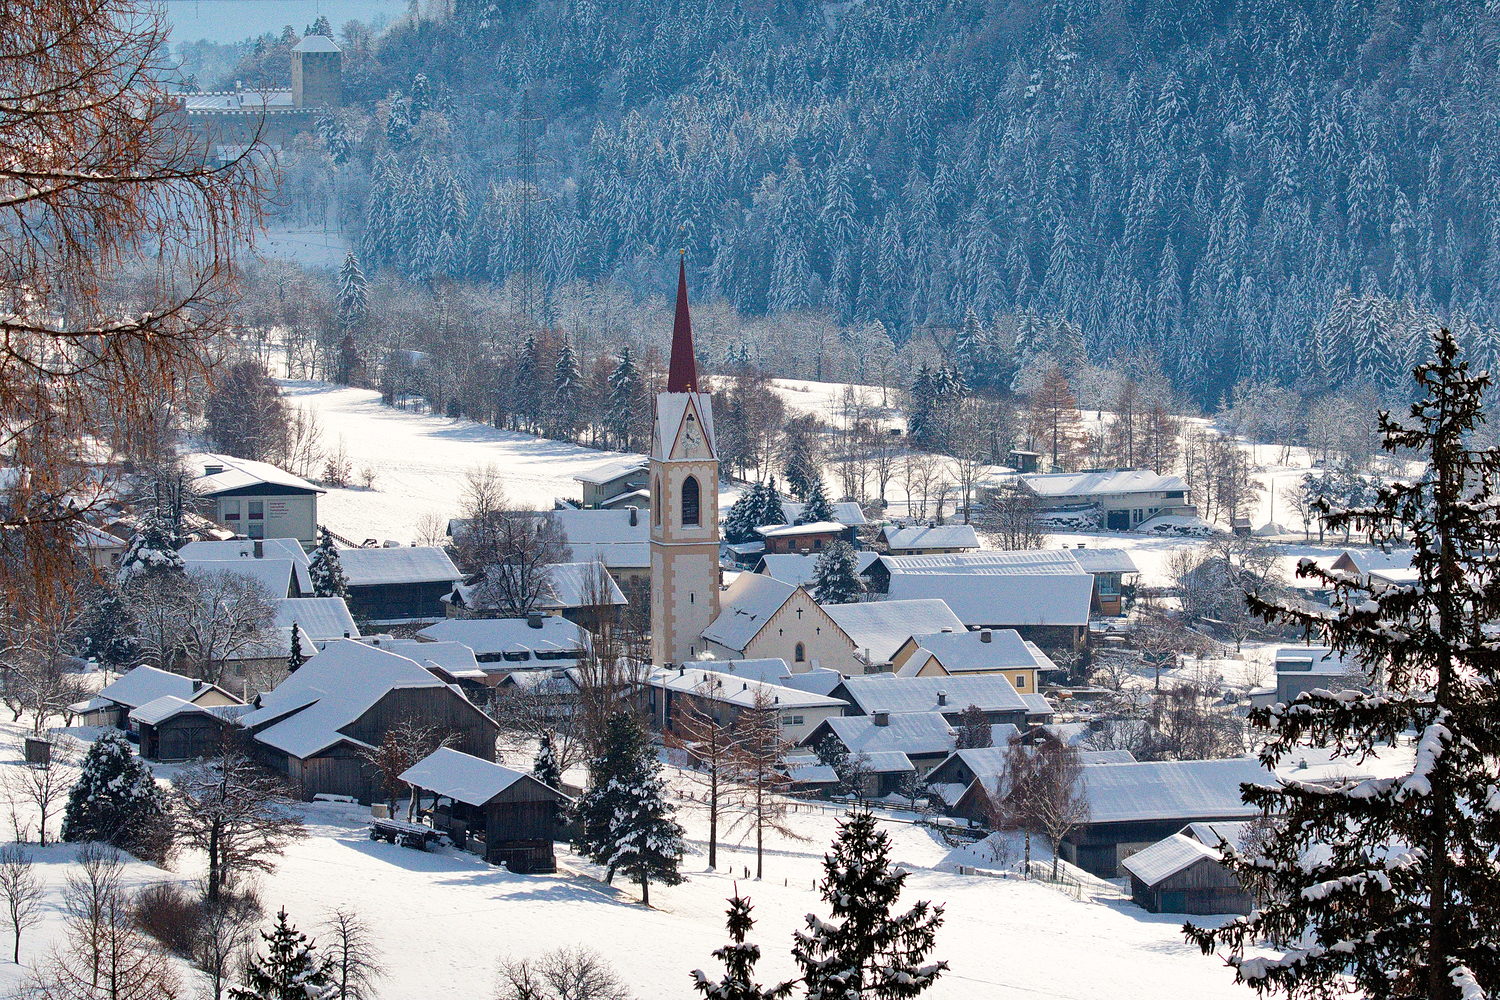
x,y
1183,875
173,729
501,814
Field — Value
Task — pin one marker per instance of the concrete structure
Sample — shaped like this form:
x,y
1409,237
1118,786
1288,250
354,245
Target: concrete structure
x,y
684,468
257,500
317,73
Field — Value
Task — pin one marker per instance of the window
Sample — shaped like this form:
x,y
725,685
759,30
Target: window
x,y
690,502
800,655
656,501
791,720
1020,681
257,510
256,529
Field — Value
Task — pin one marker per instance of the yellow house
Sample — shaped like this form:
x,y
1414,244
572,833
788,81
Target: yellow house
x,y
984,651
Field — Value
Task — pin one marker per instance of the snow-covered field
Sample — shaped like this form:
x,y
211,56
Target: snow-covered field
x,y
442,920
421,461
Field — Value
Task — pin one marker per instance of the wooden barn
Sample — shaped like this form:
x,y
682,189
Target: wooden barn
x,y
172,729
501,814
1183,875
317,724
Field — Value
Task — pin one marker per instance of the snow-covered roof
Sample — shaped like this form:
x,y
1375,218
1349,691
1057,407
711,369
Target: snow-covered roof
x,y
845,512
882,626
742,692
380,566
608,472
962,651
1314,660
923,734
1037,704
1102,482
1171,789
1372,559
992,761
670,410
464,777
802,567
1167,857
304,714
145,684
317,43
244,549
276,575
239,473
792,530
930,536
906,695
322,617
489,636
886,762
254,101
745,608
806,769
154,713
1213,832
987,562
577,585
607,536
277,645
454,657
774,670
1008,601
1103,560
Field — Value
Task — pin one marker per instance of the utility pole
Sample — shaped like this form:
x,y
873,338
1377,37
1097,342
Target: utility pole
x,y
524,210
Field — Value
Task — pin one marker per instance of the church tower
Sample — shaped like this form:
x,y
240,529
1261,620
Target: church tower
x,y
684,469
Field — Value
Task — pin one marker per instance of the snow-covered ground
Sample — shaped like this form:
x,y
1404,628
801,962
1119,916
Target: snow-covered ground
x,y
421,461
442,920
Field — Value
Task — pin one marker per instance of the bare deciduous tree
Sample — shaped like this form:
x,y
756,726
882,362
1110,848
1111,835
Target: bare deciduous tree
x,y
403,745
350,950
575,973
760,780
1045,791
1010,517
42,786
714,748
21,891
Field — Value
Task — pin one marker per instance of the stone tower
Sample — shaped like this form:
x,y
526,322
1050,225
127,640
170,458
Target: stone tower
x,y
317,73
684,471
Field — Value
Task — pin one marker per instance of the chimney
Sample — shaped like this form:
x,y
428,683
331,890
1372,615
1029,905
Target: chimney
x,y
346,635
197,686
882,718
635,516
534,619
985,635
942,698
260,549
681,670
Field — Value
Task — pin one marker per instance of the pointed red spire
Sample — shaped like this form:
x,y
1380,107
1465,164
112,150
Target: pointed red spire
x,y
682,374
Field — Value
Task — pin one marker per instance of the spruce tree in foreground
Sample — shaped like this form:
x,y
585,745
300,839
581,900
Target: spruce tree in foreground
x,y
739,958
1387,886
290,969
326,570
116,800
544,768
864,951
836,575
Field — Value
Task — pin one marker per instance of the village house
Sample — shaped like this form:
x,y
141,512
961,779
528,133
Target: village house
x,y
115,701
880,628
265,660
257,500
992,694
1108,567
774,670
974,797
398,584
505,645
620,540
985,651
1182,875
1118,499
802,568
761,617
581,592
101,549
242,551
1300,669
722,697
874,741
277,576
845,512
615,485
505,816
323,618
1131,806
1367,564
928,539
316,725
802,538
1049,609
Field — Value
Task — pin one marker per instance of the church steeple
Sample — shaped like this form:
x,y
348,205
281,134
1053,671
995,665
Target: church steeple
x,y
682,374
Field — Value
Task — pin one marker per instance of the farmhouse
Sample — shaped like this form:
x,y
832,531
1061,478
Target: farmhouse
x,y
802,568
398,584
256,499
503,815
1306,668
1120,499
879,628
1108,567
502,645
277,576
1183,875
802,538
114,702
929,539
616,484
723,697
315,726
323,618
1051,610
618,539
973,797
985,651
992,694
761,617
923,740
1131,806
578,591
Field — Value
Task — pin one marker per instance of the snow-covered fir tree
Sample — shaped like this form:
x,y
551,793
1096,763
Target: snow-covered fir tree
x,y
836,575
289,969
627,402
739,958
815,506
798,462
326,570
109,636
544,768
116,800
297,656
771,511
864,950
743,516
624,820
150,553
1387,885
566,402
354,291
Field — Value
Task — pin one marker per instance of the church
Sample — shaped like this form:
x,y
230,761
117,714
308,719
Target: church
x,y
690,616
